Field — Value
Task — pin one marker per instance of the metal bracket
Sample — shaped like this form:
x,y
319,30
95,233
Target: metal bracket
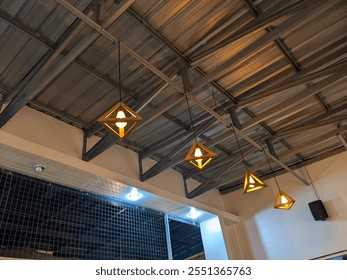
x,y
140,167
85,142
185,186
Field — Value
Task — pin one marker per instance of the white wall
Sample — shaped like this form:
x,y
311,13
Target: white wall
x,y
294,234
213,240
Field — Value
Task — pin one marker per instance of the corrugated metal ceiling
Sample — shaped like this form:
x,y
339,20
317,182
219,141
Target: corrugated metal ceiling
x,y
281,65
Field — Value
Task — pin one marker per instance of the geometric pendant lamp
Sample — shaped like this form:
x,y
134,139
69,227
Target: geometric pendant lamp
x,y
199,155
252,183
120,119
283,201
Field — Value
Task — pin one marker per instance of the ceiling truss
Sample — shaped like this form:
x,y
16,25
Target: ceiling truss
x,y
235,105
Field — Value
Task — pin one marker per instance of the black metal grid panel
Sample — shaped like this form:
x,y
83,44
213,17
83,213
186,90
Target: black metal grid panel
x,y
186,241
42,220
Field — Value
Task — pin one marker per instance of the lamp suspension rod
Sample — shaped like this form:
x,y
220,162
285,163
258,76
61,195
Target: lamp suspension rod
x,y
119,77
272,172
238,144
191,118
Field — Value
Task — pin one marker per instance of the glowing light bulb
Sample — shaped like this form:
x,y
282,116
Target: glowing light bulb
x,y
198,153
121,115
193,213
251,181
284,200
134,195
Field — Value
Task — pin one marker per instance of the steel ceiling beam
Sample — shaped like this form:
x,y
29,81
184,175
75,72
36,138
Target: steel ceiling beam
x,y
322,102
305,128
216,33
298,79
86,68
259,22
181,55
313,142
21,99
293,101
101,30
316,61
342,140
318,116
253,48
43,78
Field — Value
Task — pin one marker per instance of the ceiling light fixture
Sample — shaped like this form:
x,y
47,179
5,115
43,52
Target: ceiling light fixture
x,y
251,183
193,213
38,168
198,155
134,195
120,119
283,201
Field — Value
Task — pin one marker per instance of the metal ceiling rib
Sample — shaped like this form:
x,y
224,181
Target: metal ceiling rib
x,y
254,73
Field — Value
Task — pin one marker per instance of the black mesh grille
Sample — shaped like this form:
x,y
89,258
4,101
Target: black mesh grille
x,y
41,220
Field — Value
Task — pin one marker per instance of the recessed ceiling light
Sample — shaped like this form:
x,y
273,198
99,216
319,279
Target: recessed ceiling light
x,y
193,213
134,195
38,168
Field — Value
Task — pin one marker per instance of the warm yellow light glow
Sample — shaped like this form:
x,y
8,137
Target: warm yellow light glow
x,y
284,200
251,182
121,115
198,153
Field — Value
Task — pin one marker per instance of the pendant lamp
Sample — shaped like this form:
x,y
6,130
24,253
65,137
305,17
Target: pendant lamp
x,y
283,201
251,183
198,155
120,119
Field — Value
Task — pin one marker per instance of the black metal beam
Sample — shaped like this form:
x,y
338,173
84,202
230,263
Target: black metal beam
x,y
2,100
40,76
317,117
271,147
276,85
140,166
313,125
106,142
22,96
285,51
292,100
234,117
322,102
258,22
253,9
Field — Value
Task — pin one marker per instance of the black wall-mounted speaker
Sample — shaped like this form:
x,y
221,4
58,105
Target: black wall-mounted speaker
x,y
318,210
